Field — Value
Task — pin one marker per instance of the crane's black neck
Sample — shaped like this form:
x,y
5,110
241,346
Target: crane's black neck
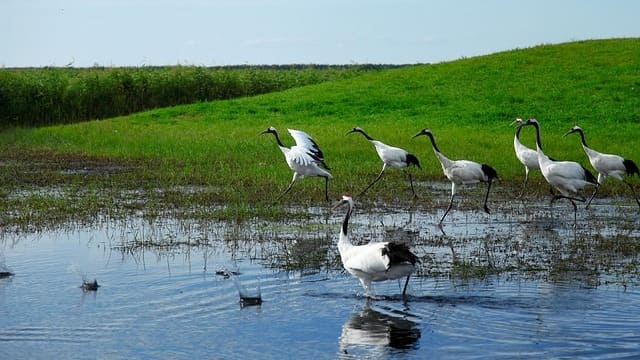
x,y
433,141
275,133
518,132
538,142
363,133
584,142
345,222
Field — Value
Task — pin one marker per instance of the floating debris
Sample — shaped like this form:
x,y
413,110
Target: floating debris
x,y
250,300
90,286
227,274
5,274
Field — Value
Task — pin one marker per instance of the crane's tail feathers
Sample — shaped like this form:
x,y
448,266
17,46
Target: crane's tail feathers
x,y
413,160
399,253
631,167
490,172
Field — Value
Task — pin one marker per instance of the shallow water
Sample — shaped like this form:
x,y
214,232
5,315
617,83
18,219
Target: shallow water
x,y
559,292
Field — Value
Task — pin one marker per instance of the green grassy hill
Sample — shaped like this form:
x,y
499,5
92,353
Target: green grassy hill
x,y
468,104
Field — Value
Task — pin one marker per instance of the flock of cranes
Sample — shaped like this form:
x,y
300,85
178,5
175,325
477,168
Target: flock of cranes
x,y
379,261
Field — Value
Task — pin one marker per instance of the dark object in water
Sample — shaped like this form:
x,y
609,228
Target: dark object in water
x,y
227,274
250,300
5,274
90,286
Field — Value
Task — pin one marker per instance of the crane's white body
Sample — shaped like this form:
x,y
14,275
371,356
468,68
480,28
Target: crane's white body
x,y
568,177
527,156
391,156
461,172
372,262
607,165
305,158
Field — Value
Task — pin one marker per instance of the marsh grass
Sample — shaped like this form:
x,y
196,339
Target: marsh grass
x,y
47,96
214,147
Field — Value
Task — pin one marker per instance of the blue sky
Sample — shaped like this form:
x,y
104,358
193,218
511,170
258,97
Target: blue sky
x,y
228,32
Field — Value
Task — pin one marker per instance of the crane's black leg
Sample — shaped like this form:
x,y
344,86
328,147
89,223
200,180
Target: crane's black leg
x,y
411,182
374,181
575,213
526,177
295,177
486,197
594,195
633,192
404,291
446,211
326,188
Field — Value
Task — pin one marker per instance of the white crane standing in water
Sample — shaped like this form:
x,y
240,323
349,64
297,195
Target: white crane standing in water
x,y
607,165
461,172
391,157
528,157
305,158
375,261
568,177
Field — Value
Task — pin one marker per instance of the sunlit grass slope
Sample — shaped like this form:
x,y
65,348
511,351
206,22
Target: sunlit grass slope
x,y
468,104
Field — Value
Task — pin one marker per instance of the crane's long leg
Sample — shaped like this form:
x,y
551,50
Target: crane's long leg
x,y
594,195
404,291
486,197
633,192
384,167
448,208
295,177
526,177
411,182
326,188
572,200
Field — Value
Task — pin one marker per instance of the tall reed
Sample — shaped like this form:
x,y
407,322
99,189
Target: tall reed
x,y
46,96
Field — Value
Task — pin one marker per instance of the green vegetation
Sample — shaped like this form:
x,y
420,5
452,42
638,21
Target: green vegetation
x,y
187,158
50,96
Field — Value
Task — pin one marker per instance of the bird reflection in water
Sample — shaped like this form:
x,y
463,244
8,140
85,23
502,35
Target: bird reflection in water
x,y
371,330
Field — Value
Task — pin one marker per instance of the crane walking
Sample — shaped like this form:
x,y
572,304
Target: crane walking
x,y
391,157
305,158
527,156
568,177
607,165
375,261
461,172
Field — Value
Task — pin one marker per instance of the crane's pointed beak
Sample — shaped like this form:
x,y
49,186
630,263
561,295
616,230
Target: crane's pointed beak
x,y
568,132
418,134
337,204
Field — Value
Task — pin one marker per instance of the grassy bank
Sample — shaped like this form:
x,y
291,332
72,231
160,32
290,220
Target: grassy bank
x,y
49,96
193,156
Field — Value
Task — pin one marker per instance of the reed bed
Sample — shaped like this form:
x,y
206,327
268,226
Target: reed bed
x,y
47,96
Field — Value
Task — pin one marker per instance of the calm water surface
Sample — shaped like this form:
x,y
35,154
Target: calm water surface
x,y
163,294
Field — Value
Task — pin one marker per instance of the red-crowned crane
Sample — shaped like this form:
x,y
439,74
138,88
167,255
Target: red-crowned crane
x,y
568,177
305,158
461,172
607,165
375,261
391,157
527,156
